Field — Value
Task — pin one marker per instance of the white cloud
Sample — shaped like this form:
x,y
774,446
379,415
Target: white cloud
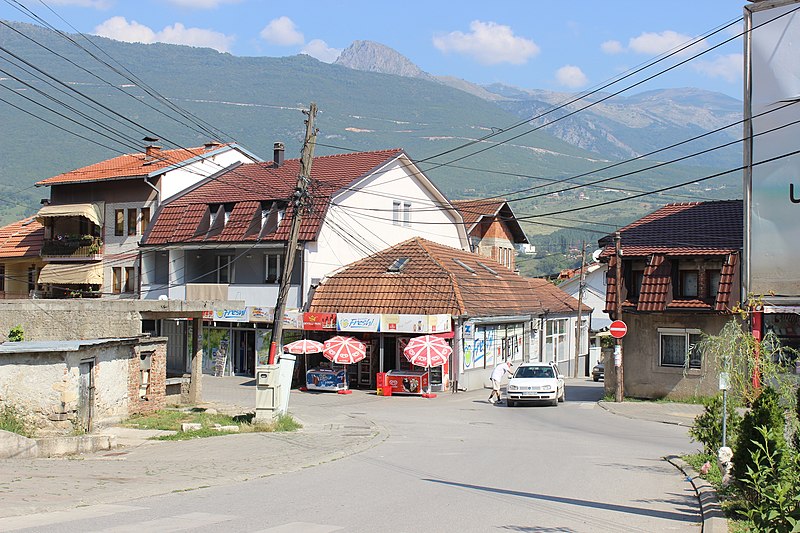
x,y
489,43
319,49
658,43
120,29
202,4
96,4
571,76
283,32
728,67
612,47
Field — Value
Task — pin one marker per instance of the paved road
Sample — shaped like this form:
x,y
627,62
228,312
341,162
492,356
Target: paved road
x,y
406,464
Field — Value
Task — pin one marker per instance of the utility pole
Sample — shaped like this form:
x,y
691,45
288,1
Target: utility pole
x,y
620,392
299,202
581,282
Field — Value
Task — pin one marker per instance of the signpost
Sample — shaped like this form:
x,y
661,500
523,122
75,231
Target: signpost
x,y
618,329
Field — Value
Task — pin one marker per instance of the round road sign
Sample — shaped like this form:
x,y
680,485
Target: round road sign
x,y
618,329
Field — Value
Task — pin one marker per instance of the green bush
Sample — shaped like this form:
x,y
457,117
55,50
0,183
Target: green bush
x,y
16,334
765,413
773,480
707,427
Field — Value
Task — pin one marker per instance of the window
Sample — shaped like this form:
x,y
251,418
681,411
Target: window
x,y
713,283
131,221
635,288
2,277
33,277
676,345
406,214
224,268
398,264
555,347
145,220
116,288
274,262
119,222
396,213
687,281
130,278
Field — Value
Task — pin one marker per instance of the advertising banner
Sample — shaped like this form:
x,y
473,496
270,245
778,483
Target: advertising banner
x,y
404,323
439,323
772,188
319,321
262,314
230,315
293,319
358,322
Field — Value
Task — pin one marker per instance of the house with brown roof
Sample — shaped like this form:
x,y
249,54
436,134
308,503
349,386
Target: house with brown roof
x,y
497,315
20,262
680,279
96,215
225,238
492,228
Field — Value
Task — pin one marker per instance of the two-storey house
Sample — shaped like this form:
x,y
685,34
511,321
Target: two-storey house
x,y
96,215
493,229
680,279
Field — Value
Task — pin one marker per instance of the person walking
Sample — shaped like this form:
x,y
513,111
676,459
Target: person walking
x,y
497,374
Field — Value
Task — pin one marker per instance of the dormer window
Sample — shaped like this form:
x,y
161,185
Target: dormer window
x,y
687,283
713,283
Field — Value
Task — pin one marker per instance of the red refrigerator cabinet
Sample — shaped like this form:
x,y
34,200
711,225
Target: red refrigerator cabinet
x,y
407,381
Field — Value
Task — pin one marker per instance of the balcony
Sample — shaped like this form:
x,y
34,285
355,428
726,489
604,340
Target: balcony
x,y
78,247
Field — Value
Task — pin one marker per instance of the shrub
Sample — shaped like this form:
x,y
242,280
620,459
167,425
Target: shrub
x,y
765,413
707,427
16,334
773,480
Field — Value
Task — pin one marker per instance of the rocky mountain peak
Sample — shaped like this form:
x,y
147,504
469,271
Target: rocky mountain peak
x,y
375,57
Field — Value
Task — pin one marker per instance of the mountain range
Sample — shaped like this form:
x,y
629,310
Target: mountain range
x,y
527,145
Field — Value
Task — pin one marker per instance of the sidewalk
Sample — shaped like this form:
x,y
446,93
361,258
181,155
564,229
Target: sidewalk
x,y
679,414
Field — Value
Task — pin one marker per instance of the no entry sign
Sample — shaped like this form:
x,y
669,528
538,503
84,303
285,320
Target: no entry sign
x,y
618,329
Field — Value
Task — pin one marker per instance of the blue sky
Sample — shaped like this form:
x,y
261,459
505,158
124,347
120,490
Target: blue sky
x,y
568,45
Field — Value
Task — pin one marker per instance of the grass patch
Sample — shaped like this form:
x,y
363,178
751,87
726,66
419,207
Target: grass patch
x,y
11,420
171,420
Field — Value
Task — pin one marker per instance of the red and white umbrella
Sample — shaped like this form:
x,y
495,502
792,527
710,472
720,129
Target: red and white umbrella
x,y
304,346
427,351
344,350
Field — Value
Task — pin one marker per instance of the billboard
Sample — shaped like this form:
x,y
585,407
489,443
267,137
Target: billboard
x,y
772,178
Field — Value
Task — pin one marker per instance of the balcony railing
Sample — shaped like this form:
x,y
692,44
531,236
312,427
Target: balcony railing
x,y
73,247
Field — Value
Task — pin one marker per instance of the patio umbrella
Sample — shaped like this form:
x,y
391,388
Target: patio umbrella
x,y
344,350
304,346
427,351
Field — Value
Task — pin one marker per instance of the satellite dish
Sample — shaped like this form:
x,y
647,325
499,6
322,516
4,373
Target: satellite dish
x,y
596,254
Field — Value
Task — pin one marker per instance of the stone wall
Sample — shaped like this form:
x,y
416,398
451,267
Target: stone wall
x,y
69,319
148,357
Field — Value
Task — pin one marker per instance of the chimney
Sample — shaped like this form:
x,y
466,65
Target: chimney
x,y
151,150
277,155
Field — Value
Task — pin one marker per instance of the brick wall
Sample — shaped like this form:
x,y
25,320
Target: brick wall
x,y
155,397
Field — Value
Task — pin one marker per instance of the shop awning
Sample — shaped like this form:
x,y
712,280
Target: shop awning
x,y
72,274
93,212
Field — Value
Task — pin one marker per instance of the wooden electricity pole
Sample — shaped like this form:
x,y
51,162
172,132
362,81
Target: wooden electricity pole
x,y
580,309
618,343
299,202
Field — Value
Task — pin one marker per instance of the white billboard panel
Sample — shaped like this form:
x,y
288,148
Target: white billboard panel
x,y
772,189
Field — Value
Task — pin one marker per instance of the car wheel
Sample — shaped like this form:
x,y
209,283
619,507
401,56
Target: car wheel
x,y
554,403
511,403
596,379
563,396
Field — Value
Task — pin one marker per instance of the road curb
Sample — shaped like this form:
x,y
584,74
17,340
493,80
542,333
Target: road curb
x,y
714,520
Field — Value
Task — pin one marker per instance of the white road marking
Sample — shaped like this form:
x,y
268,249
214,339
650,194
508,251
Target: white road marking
x,y
301,527
172,523
13,523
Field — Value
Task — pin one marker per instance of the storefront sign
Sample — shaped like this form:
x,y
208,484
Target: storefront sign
x,y
439,323
293,319
357,322
230,315
319,321
468,330
262,314
404,323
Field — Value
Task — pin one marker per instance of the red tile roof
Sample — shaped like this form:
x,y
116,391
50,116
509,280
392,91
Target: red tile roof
x,y
726,283
656,282
436,279
21,239
251,187
129,165
690,228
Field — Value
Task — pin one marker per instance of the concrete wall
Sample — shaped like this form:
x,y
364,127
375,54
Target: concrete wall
x,y
644,377
69,319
